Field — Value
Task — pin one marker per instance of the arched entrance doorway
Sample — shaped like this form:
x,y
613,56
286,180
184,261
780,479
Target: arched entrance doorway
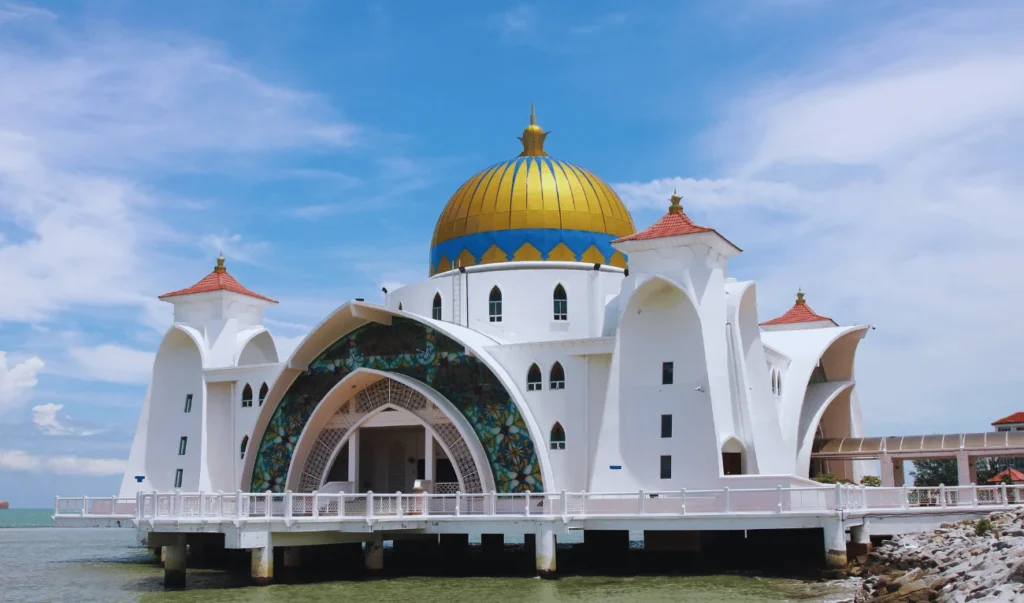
x,y
385,437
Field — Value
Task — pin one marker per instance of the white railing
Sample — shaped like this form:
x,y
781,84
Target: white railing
x,y
340,506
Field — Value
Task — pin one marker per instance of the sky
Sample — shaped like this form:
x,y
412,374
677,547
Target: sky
x,y
869,153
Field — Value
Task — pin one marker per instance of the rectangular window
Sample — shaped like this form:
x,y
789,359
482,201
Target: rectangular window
x,y
495,310
732,463
435,312
177,477
666,373
561,309
182,444
666,467
666,426
1003,428
188,402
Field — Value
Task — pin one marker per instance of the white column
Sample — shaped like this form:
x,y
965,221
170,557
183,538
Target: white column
x,y
963,468
262,565
428,455
888,477
835,543
353,460
545,551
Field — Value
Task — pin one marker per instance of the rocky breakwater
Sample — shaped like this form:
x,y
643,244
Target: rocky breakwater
x,y
979,560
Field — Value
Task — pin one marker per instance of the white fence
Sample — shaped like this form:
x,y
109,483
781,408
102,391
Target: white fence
x,y
339,506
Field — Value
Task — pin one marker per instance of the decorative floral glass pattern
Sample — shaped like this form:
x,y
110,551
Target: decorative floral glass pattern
x,y
408,348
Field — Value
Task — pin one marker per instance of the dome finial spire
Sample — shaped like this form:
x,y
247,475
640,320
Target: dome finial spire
x,y
800,296
220,263
533,137
675,208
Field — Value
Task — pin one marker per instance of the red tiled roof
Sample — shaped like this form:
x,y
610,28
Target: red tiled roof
x,y
1015,476
800,312
672,224
218,280
1017,417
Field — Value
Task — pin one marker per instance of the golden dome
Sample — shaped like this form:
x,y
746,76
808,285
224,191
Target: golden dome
x,y
531,207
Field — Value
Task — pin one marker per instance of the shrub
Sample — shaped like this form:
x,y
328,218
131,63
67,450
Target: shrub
x,y
827,478
982,526
872,481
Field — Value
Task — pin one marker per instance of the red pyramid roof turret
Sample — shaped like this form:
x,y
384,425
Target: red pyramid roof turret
x,y
800,312
218,280
672,224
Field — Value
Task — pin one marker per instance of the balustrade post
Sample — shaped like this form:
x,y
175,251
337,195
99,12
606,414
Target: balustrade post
x,y
494,503
287,504
341,504
906,497
527,495
316,505
85,505
728,502
426,502
942,495
1006,499
458,503
156,509
682,497
839,497
138,504
269,498
641,505
113,503
583,503
565,510
238,504
778,498
56,504
369,504
398,494
974,495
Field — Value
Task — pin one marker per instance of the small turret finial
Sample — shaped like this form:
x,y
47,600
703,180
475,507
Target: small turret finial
x,y
675,208
533,137
800,297
220,264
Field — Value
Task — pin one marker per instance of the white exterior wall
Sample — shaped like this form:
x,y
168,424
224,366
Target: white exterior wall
x,y
527,290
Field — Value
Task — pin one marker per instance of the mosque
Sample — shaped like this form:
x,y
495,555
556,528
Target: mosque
x,y
553,347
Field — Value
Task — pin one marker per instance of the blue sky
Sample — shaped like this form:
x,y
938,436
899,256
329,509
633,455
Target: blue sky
x,y
868,152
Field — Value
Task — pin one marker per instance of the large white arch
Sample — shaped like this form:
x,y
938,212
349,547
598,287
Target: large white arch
x,y
819,397
351,386
353,315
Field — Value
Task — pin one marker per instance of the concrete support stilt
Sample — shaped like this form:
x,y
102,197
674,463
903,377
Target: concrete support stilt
x,y
860,540
293,557
262,566
163,554
545,554
888,475
963,469
835,544
373,553
899,478
174,562
158,554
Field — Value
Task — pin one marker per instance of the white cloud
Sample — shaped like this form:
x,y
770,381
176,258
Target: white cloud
x,y
233,247
49,420
19,460
84,118
889,186
515,21
16,382
112,363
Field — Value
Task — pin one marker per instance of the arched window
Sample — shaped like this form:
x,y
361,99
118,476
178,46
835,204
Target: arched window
x,y
245,442
557,380
533,379
778,383
247,396
399,306
775,388
561,304
557,437
264,390
435,309
494,307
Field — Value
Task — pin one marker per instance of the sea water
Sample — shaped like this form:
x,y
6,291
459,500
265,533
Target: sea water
x,y
41,563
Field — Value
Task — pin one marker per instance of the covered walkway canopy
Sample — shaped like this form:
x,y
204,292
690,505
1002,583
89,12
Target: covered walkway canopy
x,y
893,450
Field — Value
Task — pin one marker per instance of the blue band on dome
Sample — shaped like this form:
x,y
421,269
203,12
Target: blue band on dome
x,y
509,242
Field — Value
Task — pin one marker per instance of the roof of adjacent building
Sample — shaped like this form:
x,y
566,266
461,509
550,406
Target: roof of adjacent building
x,y
1014,475
673,224
800,312
1017,417
218,280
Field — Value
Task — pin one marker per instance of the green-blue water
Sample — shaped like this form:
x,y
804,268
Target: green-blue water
x,y
105,565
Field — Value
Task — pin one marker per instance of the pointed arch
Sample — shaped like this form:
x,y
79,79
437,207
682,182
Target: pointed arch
x,y
494,305
557,379
557,437
775,388
245,443
534,380
264,390
399,306
561,303
435,308
247,396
